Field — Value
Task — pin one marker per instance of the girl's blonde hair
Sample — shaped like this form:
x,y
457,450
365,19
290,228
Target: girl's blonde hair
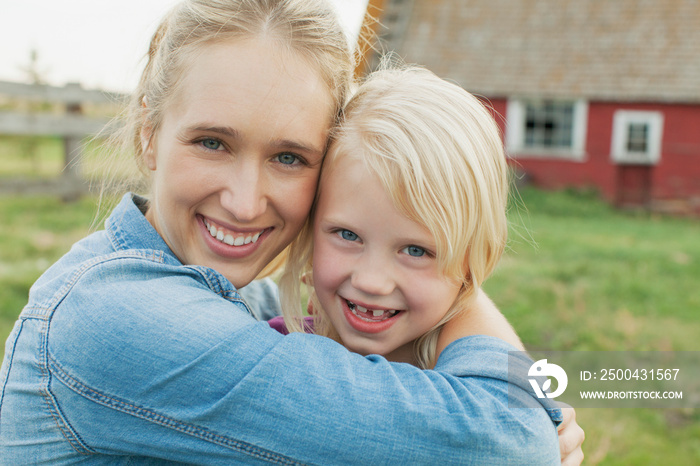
x,y
307,27
439,155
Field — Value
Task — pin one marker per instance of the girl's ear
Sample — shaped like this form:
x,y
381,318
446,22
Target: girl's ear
x,y
147,150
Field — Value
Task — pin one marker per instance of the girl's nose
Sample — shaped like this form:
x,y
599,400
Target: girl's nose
x,y
373,275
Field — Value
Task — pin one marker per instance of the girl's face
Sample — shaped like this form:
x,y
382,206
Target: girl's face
x,y
375,272
236,159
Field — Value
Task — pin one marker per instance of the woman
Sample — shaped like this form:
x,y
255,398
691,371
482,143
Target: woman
x,y
136,346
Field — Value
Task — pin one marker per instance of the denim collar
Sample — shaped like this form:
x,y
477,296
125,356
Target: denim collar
x,y
128,228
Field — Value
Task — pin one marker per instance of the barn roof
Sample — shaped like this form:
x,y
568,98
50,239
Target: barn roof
x,y
631,50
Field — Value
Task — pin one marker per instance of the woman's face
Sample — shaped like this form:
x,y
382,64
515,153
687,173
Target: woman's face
x,y
237,156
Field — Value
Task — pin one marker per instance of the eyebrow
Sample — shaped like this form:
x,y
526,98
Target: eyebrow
x,y
224,130
295,145
233,133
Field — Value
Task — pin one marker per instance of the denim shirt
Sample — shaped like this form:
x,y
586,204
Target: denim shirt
x,y
124,355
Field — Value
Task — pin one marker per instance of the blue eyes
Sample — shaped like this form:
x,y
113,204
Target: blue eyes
x,y
348,235
414,251
211,144
287,159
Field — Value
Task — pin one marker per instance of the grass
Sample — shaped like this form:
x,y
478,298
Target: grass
x,y
581,276
32,157
578,276
35,232
614,281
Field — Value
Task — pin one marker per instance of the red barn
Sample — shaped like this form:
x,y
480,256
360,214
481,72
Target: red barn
x,y
590,93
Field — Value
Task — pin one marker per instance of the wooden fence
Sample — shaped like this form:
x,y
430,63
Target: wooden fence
x,y
66,118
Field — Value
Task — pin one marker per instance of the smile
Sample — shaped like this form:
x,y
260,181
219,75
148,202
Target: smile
x,y
228,237
371,315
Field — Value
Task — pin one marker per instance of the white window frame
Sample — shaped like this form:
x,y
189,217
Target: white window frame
x,y
622,120
515,133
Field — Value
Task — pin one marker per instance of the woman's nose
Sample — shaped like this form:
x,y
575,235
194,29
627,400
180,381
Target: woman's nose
x,y
245,192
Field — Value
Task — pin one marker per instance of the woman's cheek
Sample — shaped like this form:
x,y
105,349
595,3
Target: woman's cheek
x,y
294,198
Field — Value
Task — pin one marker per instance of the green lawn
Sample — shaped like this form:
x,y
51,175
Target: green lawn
x,y
578,276
582,276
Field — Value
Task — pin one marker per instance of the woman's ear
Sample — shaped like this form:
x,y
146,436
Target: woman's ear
x,y
147,150
147,144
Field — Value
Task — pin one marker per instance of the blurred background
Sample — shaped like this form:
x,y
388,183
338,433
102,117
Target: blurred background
x,y
599,104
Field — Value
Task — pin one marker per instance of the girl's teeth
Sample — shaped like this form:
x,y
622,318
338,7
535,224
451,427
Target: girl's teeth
x,y
358,310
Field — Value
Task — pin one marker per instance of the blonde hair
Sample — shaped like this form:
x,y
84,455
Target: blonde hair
x,y
439,155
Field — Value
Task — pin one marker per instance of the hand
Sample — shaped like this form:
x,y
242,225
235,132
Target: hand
x,y
571,437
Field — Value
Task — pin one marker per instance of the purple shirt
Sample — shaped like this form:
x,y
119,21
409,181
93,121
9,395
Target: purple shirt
x,y
278,324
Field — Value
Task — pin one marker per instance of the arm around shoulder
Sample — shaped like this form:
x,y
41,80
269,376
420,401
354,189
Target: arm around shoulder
x,y
195,371
516,427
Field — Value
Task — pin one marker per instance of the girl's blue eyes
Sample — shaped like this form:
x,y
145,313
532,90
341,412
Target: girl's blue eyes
x,y
348,235
414,251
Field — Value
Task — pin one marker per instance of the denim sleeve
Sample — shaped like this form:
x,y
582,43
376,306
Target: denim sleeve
x,y
141,368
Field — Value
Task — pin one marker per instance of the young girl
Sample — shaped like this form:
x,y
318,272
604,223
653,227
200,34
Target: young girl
x,y
409,221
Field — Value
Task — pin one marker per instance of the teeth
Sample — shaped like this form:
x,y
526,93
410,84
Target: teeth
x,y
228,238
358,310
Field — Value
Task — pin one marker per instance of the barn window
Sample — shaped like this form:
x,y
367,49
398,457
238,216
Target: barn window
x,y
637,137
546,128
549,124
